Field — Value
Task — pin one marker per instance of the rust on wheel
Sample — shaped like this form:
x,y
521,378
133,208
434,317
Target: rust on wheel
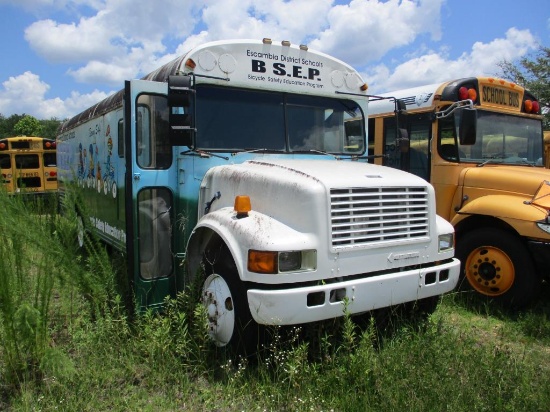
x,y
490,271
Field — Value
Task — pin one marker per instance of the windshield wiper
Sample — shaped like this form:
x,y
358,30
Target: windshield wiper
x,y
500,160
263,149
526,162
488,161
322,152
202,153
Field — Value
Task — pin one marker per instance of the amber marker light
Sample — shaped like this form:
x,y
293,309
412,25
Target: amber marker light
x,y
364,87
242,206
262,261
190,63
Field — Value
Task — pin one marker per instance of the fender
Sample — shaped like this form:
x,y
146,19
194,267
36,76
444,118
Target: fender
x,y
511,209
257,231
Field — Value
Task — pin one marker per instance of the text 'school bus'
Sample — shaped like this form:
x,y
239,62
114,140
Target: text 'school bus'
x,y
236,163
28,165
491,183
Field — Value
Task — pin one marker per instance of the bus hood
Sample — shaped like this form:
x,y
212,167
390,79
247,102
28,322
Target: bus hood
x,y
512,180
286,188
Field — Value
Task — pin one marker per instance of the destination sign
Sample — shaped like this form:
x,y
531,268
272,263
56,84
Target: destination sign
x,y
493,95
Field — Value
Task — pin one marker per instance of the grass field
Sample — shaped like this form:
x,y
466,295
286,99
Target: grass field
x,y
68,343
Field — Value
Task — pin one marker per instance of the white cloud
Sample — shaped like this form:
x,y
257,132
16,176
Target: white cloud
x,y
39,7
26,93
364,30
293,20
433,67
122,37
108,41
68,43
129,38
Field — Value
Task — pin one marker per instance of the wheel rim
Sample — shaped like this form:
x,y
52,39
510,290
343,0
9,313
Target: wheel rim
x,y
490,271
217,299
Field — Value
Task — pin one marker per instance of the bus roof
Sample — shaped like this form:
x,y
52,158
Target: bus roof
x,y
255,64
414,98
492,92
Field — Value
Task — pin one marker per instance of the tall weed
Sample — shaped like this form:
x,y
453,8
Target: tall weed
x,y
40,261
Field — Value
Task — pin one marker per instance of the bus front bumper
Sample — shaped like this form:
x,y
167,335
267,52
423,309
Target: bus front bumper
x,y
541,256
313,303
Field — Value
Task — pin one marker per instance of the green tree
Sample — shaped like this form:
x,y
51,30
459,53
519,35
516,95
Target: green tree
x,y
7,124
533,73
28,126
49,127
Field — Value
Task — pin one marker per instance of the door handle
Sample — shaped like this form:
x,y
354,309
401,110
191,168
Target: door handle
x,y
137,176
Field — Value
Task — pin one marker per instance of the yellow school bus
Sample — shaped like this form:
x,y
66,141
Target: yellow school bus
x,y
547,149
28,165
479,141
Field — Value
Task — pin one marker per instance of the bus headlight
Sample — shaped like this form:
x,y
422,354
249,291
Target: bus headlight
x,y
271,262
290,261
446,242
544,226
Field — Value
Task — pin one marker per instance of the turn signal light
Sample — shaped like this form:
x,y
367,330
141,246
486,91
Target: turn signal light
x,y
262,261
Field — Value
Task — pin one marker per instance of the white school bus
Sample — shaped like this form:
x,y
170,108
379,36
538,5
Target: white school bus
x,y
235,163
490,183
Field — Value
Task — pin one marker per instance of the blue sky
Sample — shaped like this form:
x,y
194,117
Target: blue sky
x,y
62,56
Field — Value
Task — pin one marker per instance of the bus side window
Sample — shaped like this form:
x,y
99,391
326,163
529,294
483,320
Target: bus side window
x,y
419,135
154,150
5,161
393,158
154,227
50,159
447,146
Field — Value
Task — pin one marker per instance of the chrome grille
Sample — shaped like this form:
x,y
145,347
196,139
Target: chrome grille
x,y
363,216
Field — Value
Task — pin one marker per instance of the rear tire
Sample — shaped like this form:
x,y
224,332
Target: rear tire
x,y
497,265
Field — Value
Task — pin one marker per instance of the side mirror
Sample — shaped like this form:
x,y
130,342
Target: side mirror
x,y
468,127
403,142
400,106
181,104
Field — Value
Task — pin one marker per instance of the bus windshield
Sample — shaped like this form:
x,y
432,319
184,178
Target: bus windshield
x,y
504,139
234,120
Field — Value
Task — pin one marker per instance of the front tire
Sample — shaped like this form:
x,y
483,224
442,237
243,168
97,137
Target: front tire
x,y
230,324
496,264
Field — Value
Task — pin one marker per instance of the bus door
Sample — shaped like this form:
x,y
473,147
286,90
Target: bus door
x,y
419,129
150,181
